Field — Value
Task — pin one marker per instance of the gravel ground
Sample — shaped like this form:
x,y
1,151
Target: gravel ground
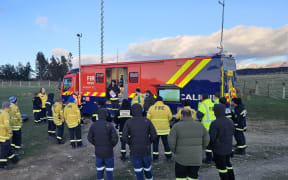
x,y
267,158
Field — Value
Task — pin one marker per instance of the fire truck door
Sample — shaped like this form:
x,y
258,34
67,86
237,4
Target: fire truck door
x,y
123,82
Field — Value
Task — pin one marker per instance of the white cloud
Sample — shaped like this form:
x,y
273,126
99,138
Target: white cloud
x,y
95,59
241,41
245,42
59,52
41,21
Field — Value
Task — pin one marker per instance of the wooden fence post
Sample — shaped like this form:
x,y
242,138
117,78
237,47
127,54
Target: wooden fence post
x,y
20,84
49,83
244,87
29,84
268,90
10,83
284,89
256,88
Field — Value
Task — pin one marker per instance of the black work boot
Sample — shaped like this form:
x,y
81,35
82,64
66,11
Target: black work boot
x,y
239,151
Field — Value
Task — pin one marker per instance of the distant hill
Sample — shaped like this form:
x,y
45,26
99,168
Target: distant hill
x,y
277,64
255,71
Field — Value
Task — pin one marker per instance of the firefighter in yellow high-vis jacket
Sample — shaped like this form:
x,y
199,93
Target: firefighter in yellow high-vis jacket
x,y
72,117
206,115
58,119
16,123
43,96
186,106
160,115
5,136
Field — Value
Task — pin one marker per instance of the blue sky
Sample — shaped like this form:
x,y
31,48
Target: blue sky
x,y
29,26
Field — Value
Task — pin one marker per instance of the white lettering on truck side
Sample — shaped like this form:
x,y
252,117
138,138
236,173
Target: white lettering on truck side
x,y
192,97
90,80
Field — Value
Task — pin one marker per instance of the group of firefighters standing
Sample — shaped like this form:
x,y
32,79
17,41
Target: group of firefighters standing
x,y
148,120
140,125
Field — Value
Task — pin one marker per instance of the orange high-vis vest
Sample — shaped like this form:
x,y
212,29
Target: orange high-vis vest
x,y
77,99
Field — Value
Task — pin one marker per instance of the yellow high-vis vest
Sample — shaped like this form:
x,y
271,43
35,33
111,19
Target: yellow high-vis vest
x,y
206,107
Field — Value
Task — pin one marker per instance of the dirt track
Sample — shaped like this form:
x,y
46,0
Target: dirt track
x,y
267,158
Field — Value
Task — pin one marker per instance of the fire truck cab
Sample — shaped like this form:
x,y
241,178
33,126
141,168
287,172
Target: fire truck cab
x,y
173,79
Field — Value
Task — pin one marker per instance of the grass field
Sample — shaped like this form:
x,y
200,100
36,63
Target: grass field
x,y
267,85
34,137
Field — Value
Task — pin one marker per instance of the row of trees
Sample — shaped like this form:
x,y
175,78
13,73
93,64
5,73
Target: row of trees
x,y
46,69
53,69
18,72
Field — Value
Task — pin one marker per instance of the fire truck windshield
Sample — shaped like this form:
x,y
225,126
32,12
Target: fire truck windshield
x,y
67,84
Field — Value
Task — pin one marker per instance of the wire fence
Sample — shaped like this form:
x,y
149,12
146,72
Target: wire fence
x,y
275,85
19,84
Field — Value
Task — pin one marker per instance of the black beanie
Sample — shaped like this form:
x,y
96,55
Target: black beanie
x,y
237,101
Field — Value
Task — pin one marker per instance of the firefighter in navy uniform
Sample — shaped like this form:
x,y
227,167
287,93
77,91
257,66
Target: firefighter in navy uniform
x,y
122,116
43,96
149,100
205,113
16,124
51,125
5,136
228,112
58,119
37,104
98,107
221,137
239,119
72,117
160,115
216,98
113,93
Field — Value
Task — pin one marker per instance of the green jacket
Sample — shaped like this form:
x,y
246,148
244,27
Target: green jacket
x,y
187,139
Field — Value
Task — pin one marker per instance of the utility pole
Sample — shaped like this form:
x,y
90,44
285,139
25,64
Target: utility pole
x,y
222,3
79,48
102,30
117,55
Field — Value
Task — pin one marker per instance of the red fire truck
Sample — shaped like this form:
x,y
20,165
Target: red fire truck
x,y
173,79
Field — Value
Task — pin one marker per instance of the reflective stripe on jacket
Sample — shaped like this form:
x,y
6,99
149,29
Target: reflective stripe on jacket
x,y
72,115
43,98
15,117
206,107
160,115
5,129
58,116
